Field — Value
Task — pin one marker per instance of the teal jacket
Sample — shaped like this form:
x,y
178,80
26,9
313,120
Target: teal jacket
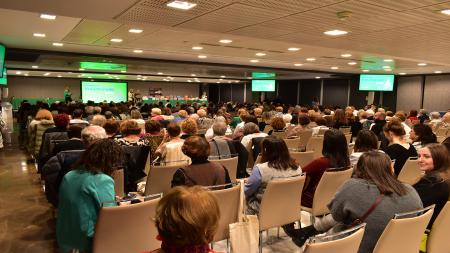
x,y
81,195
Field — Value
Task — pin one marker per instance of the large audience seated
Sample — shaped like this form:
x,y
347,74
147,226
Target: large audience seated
x,y
98,139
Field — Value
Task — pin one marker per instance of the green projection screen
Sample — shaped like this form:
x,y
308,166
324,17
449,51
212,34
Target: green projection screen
x,y
4,79
104,91
263,85
376,82
2,58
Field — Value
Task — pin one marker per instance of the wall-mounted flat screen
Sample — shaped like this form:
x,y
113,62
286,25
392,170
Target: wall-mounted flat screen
x,y
376,82
104,91
263,85
2,58
3,79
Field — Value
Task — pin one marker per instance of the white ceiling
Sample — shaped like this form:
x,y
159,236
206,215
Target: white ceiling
x,y
408,31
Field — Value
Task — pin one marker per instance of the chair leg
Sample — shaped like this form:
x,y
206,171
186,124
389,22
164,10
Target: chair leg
x,y
278,232
228,246
260,241
312,219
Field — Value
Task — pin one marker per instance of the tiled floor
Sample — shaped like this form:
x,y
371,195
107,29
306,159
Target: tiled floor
x,y
26,218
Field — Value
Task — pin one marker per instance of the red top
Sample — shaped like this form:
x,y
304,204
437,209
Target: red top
x,y
314,171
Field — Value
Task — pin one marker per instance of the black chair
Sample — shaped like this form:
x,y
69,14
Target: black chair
x,y
134,165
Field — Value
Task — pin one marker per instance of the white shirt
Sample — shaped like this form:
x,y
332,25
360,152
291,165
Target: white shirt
x,y
248,138
210,133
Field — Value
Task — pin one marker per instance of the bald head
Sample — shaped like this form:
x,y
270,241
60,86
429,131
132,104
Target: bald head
x,y
92,133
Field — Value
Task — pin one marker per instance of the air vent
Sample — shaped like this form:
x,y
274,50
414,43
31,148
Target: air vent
x,y
236,47
256,49
211,45
275,51
13,55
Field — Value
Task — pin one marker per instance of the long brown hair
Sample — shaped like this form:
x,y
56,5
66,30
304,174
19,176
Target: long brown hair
x,y
376,168
441,159
335,148
276,153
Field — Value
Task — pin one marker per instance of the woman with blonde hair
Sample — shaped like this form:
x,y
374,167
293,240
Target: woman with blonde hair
x,y
41,122
187,219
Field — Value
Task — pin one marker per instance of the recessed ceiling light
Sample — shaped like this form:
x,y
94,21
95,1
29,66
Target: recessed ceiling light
x,y
57,44
352,63
217,82
137,51
189,81
222,76
18,73
335,32
298,64
35,66
446,11
48,16
47,74
334,67
254,60
293,49
346,55
40,35
123,71
197,48
260,54
422,64
26,74
183,5
116,40
220,79
81,69
59,75
317,77
135,30
160,73
202,56
225,41
193,75
366,70
388,60
402,74
310,59
386,67
437,72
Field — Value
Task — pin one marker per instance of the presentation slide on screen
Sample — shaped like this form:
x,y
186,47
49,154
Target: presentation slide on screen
x,y
104,91
263,85
376,82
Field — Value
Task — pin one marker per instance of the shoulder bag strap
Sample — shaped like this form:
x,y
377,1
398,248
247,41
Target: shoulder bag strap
x,y
368,212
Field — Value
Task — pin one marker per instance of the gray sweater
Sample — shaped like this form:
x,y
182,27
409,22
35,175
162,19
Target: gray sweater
x,y
356,196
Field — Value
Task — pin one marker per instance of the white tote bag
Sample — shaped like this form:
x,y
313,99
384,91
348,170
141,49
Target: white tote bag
x,y
244,235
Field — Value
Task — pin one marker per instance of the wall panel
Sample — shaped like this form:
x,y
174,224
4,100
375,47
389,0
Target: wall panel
x,y
308,90
437,93
409,93
335,92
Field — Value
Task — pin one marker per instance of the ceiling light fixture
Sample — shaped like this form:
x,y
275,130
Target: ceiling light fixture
x,y
123,71
48,16
317,77
117,40
160,73
422,64
137,51
202,56
60,76
260,54
365,70
47,74
57,44
197,48
388,60
335,32
193,75
352,63
310,59
346,55
386,67
254,61
402,74
446,11
298,64
182,5
334,68
135,30
26,74
293,49
438,72
39,35
18,73
222,76
225,41
189,81
35,66
81,69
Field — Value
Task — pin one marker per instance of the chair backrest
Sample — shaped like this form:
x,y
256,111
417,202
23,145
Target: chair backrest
x,y
159,178
280,202
126,229
322,131
344,129
303,158
47,142
228,200
347,241
410,173
437,240
315,144
404,234
280,135
330,181
230,164
267,129
258,159
119,182
305,136
293,143
442,131
348,137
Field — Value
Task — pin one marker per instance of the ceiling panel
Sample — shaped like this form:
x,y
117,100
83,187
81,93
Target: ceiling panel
x,y
89,31
290,6
401,5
